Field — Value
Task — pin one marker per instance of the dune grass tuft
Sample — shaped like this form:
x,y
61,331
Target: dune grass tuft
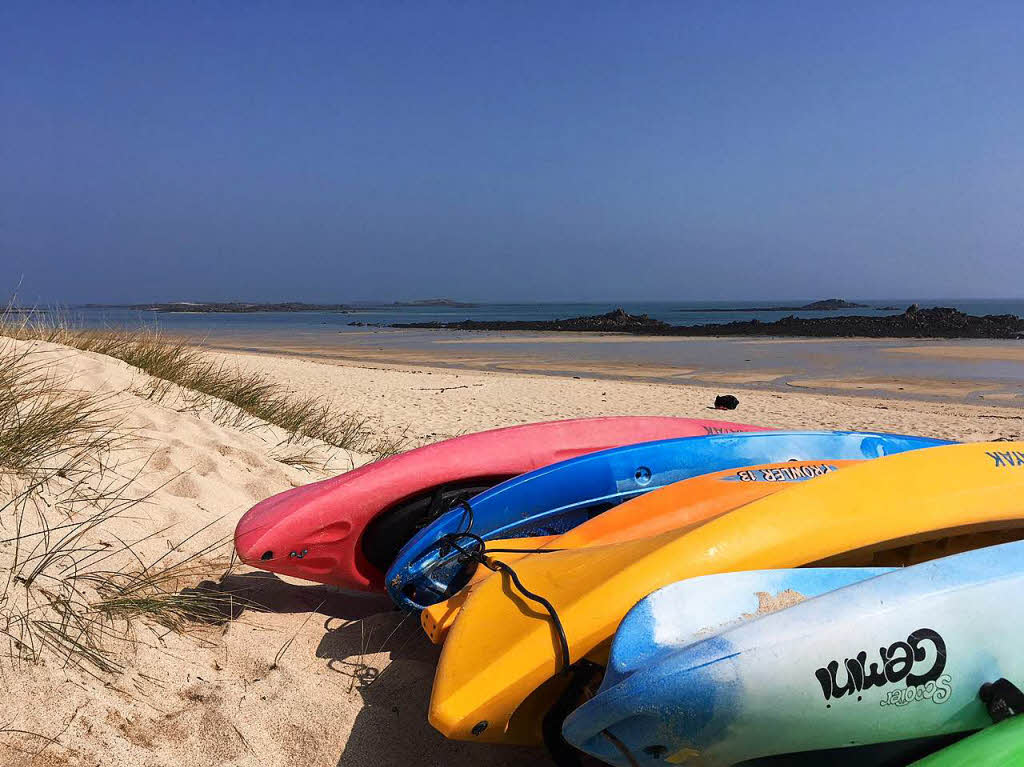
x,y
234,396
162,591
44,423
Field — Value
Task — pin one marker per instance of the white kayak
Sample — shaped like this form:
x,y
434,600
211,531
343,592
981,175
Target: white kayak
x,y
892,658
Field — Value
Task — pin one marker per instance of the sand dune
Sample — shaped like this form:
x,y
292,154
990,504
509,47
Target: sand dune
x,y
306,674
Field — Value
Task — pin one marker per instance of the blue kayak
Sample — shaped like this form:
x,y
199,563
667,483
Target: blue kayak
x,y
892,659
557,498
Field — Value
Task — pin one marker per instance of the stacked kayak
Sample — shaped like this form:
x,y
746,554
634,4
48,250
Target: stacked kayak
x,y
679,506
890,511
562,496
675,591
347,530
996,746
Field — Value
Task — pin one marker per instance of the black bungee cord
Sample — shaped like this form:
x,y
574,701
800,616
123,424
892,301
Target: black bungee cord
x,y
478,553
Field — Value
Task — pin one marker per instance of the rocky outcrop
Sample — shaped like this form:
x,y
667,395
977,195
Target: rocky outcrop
x,y
618,321
937,322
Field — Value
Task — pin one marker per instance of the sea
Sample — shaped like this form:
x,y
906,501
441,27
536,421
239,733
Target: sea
x,y
990,371
673,312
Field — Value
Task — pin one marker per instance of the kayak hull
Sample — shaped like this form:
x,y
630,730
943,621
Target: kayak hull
x,y
996,746
690,611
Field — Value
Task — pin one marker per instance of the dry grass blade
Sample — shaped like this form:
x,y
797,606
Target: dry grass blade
x,y
307,459
288,643
160,592
47,741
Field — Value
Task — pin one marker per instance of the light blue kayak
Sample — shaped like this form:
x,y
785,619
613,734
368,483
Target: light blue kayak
x,y
893,658
690,611
558,497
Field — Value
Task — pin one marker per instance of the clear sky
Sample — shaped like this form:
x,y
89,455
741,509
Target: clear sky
x,y
511,150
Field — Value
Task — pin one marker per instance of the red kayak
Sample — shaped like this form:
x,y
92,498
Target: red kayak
x,y
347,530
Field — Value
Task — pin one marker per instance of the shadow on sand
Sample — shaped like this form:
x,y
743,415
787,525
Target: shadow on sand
x,y
266,592
392,730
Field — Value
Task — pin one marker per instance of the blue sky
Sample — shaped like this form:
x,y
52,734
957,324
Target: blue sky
x,y
496,151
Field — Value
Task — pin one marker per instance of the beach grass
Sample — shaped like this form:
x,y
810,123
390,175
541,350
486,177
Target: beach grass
x,y
45,424
232,395
66,590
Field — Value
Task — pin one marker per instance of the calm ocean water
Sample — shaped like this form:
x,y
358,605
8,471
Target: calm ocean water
x,y
739,361
286,323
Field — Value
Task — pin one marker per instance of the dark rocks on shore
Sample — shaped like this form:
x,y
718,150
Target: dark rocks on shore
x,y
937,322
618,321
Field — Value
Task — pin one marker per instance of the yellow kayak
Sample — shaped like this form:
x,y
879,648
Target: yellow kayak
x,y
676,507
499,671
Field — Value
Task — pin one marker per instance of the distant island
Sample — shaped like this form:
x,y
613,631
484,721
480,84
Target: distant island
x,y
937,322
826,305
437,302
238,307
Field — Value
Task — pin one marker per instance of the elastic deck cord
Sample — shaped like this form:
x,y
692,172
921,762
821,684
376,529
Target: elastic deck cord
x,y
579,674
478,553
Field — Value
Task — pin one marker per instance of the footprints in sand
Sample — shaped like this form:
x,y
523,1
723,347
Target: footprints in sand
x,y
184,486
204,466
197,730
161,460
247,457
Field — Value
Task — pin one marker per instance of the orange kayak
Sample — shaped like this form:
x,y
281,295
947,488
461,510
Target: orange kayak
x,y
678,506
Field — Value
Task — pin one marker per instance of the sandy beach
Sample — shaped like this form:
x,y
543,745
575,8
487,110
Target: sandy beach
x,y
299,673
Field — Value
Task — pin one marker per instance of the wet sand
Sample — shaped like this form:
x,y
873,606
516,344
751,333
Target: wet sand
x,y
1014,353
934,371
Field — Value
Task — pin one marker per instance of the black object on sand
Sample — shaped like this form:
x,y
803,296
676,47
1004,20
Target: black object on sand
x,y
726,402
